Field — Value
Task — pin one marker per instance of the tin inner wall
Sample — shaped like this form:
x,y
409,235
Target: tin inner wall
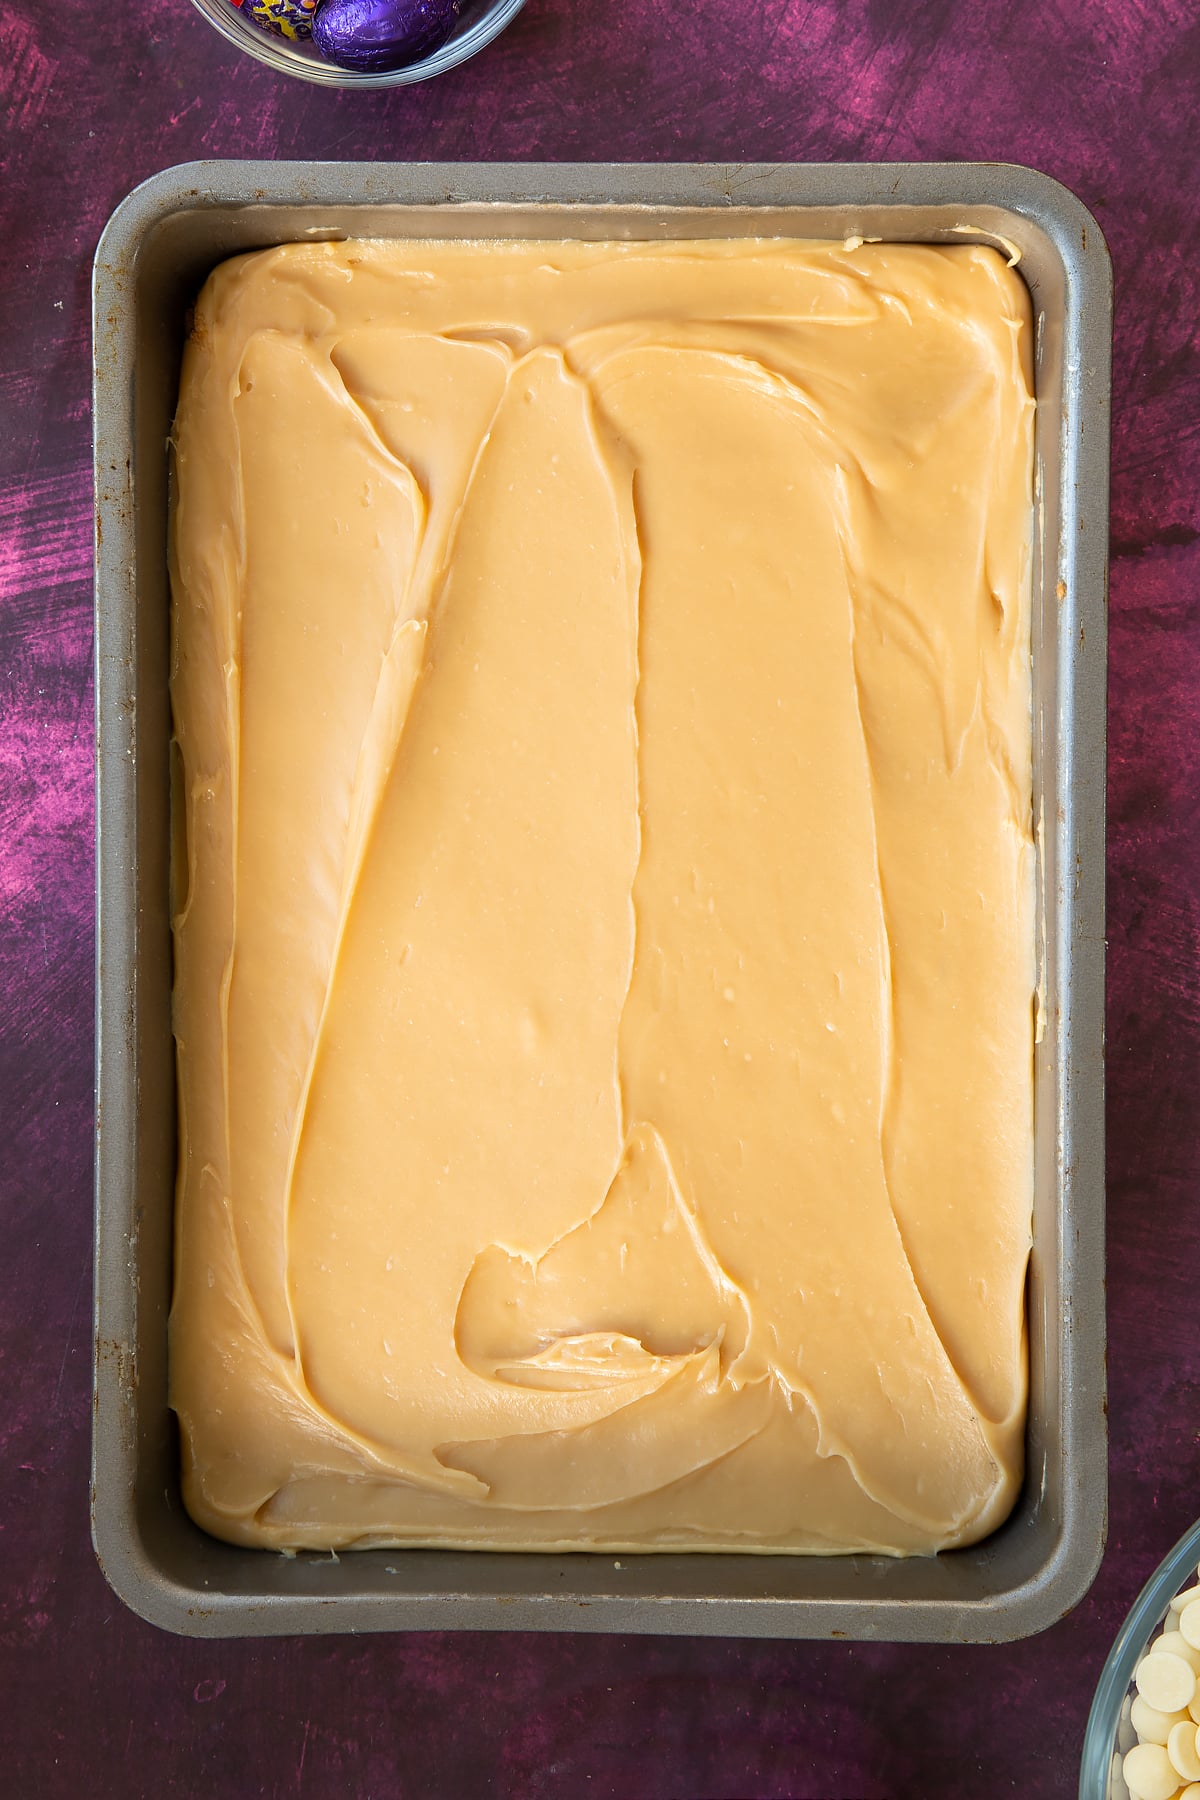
x,y
155,256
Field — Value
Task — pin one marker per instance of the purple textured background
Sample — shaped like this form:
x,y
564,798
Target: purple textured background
x,y
91,1700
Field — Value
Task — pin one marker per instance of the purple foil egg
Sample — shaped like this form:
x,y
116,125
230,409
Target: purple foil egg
x,y
375,35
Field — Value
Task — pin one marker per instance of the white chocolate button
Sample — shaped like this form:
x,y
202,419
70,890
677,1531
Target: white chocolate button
x,y
1192,1792
1181,1748
1152,1726
1178,1645
1189,1624
1166,1681
1150,1773
1185,1599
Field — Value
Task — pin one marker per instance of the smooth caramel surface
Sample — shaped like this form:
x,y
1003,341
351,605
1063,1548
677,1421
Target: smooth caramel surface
x,y
604,926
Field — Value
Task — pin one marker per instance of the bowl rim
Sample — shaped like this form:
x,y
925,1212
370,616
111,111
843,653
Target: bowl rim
x,y
1144,1615
279,54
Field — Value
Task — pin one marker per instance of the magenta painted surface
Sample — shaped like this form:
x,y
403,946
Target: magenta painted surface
x,y
92,1702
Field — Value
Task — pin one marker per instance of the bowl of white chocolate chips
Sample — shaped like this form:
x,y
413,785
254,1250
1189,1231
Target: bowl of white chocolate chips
x,y
1142,1740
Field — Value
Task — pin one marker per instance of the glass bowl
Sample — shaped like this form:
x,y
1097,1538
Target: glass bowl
x,y
481,21
1110,1733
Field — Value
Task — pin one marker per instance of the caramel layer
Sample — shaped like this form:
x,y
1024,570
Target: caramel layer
x,y
605,931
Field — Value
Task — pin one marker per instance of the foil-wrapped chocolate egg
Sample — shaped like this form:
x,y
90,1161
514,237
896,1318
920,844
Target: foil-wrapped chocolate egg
x,y
285,18
382,34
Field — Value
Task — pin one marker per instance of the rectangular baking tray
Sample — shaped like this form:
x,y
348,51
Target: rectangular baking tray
x,y
155,253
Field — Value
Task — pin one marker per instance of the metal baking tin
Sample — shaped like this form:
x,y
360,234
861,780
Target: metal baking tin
x,y
155,253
